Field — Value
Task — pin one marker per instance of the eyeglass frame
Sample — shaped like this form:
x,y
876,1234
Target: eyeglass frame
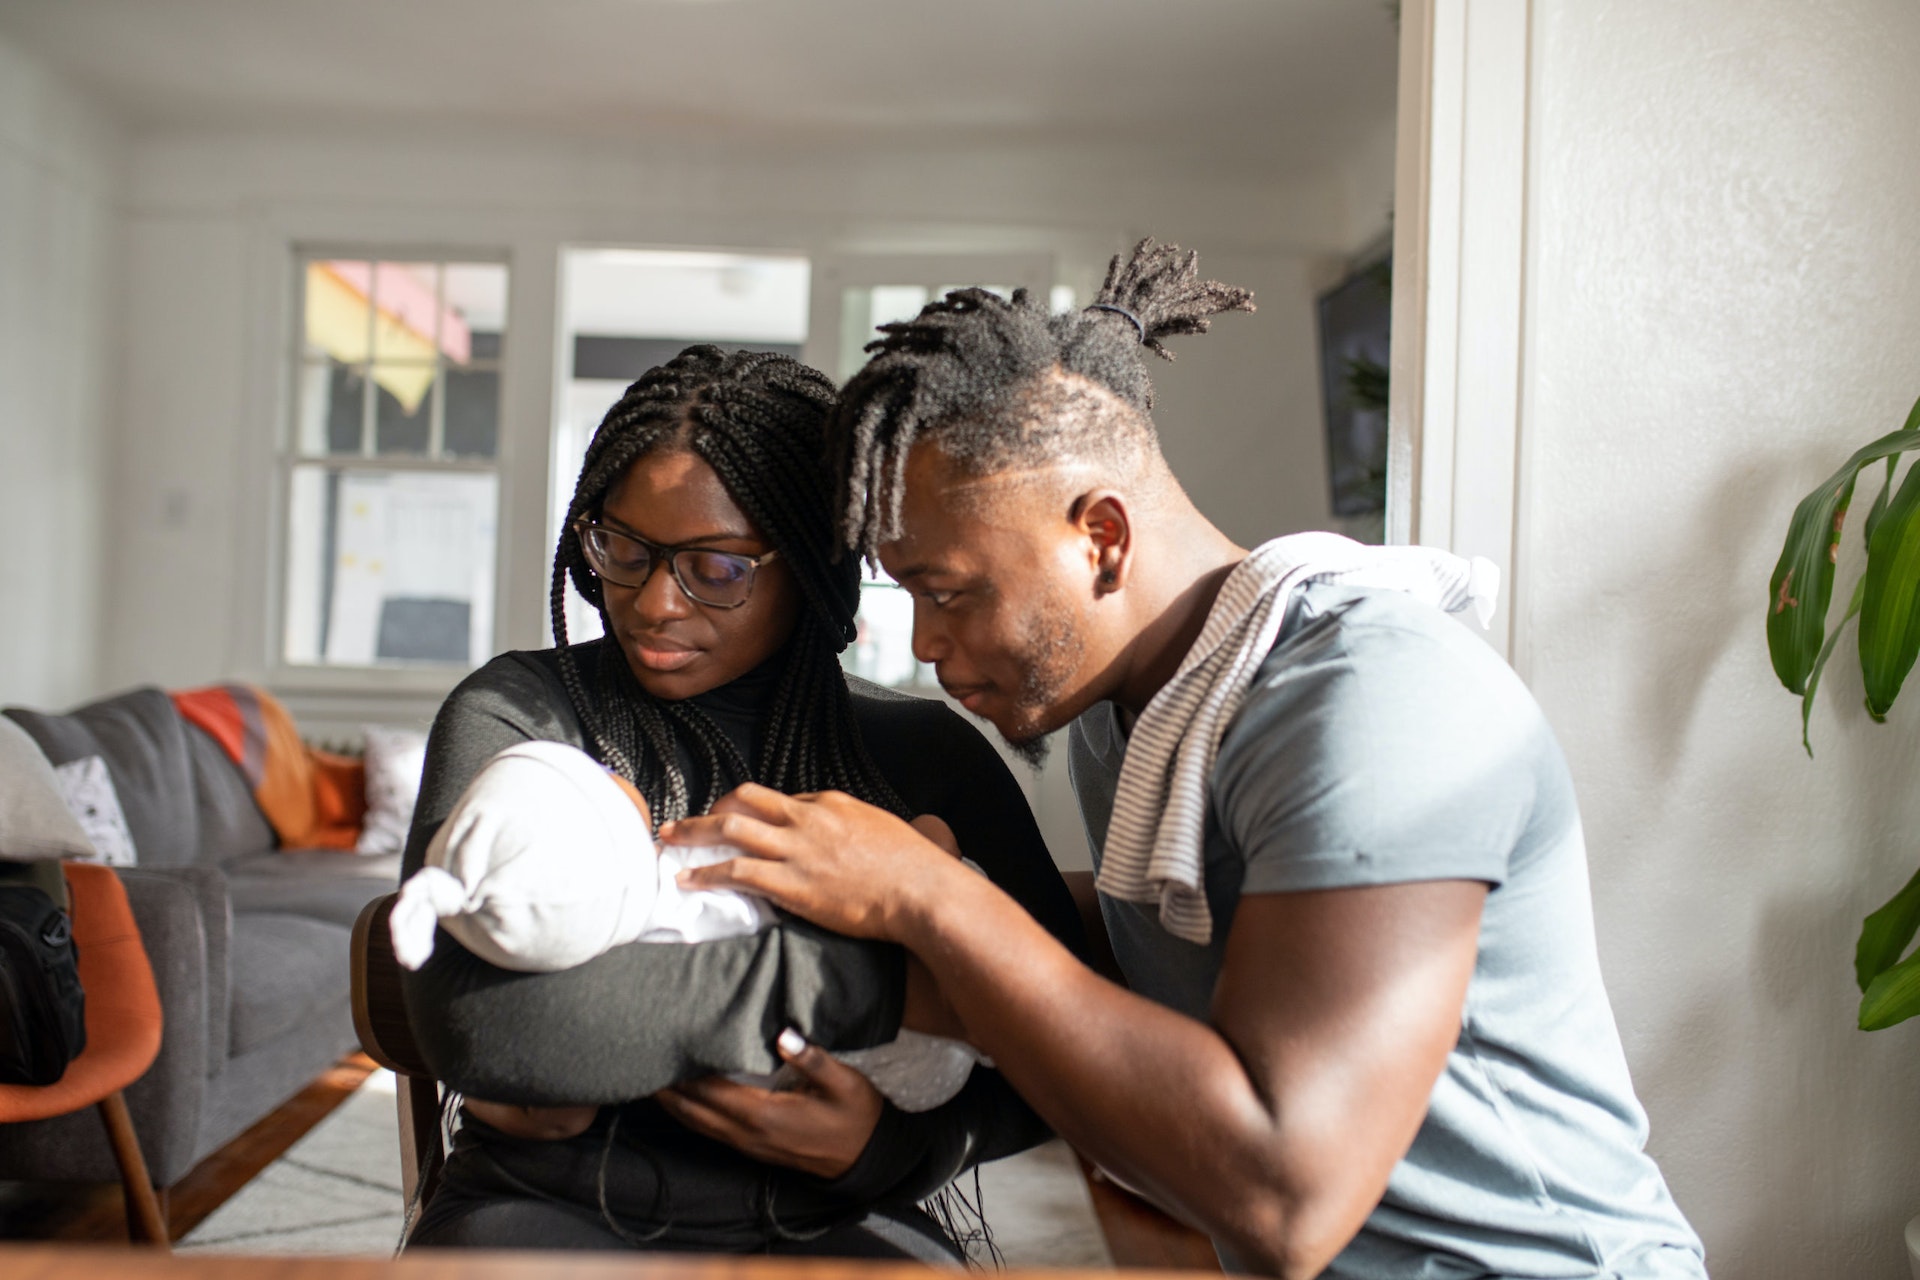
x,y
669,556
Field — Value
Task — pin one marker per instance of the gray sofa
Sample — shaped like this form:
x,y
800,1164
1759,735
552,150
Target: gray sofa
x,y
248,944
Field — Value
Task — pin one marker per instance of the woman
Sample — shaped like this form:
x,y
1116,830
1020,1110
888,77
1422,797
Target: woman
x,y
700,528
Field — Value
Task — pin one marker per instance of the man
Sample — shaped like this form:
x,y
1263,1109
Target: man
x,y
1368,1035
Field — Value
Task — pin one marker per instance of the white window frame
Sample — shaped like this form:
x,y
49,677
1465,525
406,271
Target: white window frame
x,y
340,692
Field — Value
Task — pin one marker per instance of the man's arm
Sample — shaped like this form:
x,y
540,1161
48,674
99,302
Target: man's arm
x,y
1275,1127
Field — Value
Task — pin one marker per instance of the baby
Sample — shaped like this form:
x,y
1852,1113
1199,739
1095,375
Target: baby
x,y
548,860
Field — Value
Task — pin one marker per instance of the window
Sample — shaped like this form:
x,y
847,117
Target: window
x,y
391,469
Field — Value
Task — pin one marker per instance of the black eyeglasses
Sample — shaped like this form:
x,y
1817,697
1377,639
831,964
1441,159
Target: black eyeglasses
x,y
717,579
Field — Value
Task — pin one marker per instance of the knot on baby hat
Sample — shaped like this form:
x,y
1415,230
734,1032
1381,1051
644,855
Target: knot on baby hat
x,y
529,871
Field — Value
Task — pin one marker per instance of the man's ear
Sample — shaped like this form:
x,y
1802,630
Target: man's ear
x,y
1101,517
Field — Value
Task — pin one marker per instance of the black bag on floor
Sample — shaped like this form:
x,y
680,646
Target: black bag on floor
x,y
42,1009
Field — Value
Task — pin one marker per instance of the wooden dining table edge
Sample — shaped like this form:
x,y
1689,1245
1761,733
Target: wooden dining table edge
x,y
24,1261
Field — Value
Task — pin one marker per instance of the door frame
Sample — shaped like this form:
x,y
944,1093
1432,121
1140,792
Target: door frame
x,y
1457,455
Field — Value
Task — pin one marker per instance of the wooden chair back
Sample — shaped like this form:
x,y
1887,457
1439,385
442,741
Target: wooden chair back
x,y
380,1020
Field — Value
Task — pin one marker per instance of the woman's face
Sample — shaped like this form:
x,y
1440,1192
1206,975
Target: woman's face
x,y
678,647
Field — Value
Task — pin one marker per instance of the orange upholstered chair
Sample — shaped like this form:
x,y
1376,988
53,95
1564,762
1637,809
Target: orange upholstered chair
x,y
123,1037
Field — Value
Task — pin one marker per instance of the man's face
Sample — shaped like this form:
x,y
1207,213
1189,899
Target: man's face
x,y
1001,586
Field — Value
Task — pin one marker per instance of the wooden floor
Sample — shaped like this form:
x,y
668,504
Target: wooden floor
x,y
94,1213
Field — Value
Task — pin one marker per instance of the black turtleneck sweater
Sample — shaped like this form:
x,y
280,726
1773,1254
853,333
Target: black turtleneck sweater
x,y
647,1015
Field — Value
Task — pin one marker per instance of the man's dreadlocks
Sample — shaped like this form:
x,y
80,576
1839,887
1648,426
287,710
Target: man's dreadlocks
x,y
758,420
983,375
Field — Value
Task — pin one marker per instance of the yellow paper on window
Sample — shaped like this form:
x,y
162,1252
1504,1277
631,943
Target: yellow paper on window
x,y
337,324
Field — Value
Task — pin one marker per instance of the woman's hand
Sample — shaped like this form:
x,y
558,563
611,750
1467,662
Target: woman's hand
x,y
820,1128
837,861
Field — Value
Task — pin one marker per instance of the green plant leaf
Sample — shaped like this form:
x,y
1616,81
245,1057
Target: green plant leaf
x,y
1820,664
1886,933
1893,996
1801,588
1879,507
1890,614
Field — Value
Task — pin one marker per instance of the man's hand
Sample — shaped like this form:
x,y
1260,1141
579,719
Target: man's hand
x,y
839,862
820,1128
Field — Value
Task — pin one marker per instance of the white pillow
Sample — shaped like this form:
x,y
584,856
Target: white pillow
x,y
394,760
35,821
87,788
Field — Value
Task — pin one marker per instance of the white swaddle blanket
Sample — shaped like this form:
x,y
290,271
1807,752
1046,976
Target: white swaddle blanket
x,y
1154,850
546,862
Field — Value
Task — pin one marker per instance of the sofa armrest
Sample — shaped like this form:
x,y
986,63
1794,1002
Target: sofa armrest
x,y
207,888
182,914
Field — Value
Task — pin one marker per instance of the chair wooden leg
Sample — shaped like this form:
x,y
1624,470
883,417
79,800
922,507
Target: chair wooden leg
x,y
421,1154
146,1224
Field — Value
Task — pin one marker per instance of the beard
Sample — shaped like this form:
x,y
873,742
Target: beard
x,y
1032,752
1048,652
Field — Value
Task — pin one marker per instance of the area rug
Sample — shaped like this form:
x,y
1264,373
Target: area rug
x,y
337,1191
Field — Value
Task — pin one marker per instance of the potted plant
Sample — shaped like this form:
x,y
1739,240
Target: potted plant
x,y
1886,599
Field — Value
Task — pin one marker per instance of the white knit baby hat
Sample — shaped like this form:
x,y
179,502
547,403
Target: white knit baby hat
x,y
489,881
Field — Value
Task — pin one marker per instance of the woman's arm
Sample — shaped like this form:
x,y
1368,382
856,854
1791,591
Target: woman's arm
x,y
639,1017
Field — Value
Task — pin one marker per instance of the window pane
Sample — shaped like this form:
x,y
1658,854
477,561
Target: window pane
x,y
403,407
882,651
330,399
476,302
390,567
408,314
472,427
338,319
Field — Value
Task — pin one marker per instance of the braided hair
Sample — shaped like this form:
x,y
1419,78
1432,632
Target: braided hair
x,y
981,373
758,420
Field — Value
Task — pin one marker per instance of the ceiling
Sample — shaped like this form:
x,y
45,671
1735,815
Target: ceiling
x,y
1279,84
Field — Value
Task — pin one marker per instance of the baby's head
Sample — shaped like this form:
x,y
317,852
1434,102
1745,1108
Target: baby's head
x,y
529,860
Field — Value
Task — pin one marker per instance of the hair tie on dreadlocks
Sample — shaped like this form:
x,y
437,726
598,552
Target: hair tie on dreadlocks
x,y
973,370
758,419
1118,310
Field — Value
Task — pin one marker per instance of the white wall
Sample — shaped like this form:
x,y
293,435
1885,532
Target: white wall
x,y
60,170
1239,408
1724,300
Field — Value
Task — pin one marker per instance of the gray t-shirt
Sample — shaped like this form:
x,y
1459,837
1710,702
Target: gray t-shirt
x,y
1382,743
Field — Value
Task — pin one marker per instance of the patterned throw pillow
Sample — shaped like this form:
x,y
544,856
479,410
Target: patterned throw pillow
x,y
394,758
87,788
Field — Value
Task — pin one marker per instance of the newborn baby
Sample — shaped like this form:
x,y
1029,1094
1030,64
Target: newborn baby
x,y
548,860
